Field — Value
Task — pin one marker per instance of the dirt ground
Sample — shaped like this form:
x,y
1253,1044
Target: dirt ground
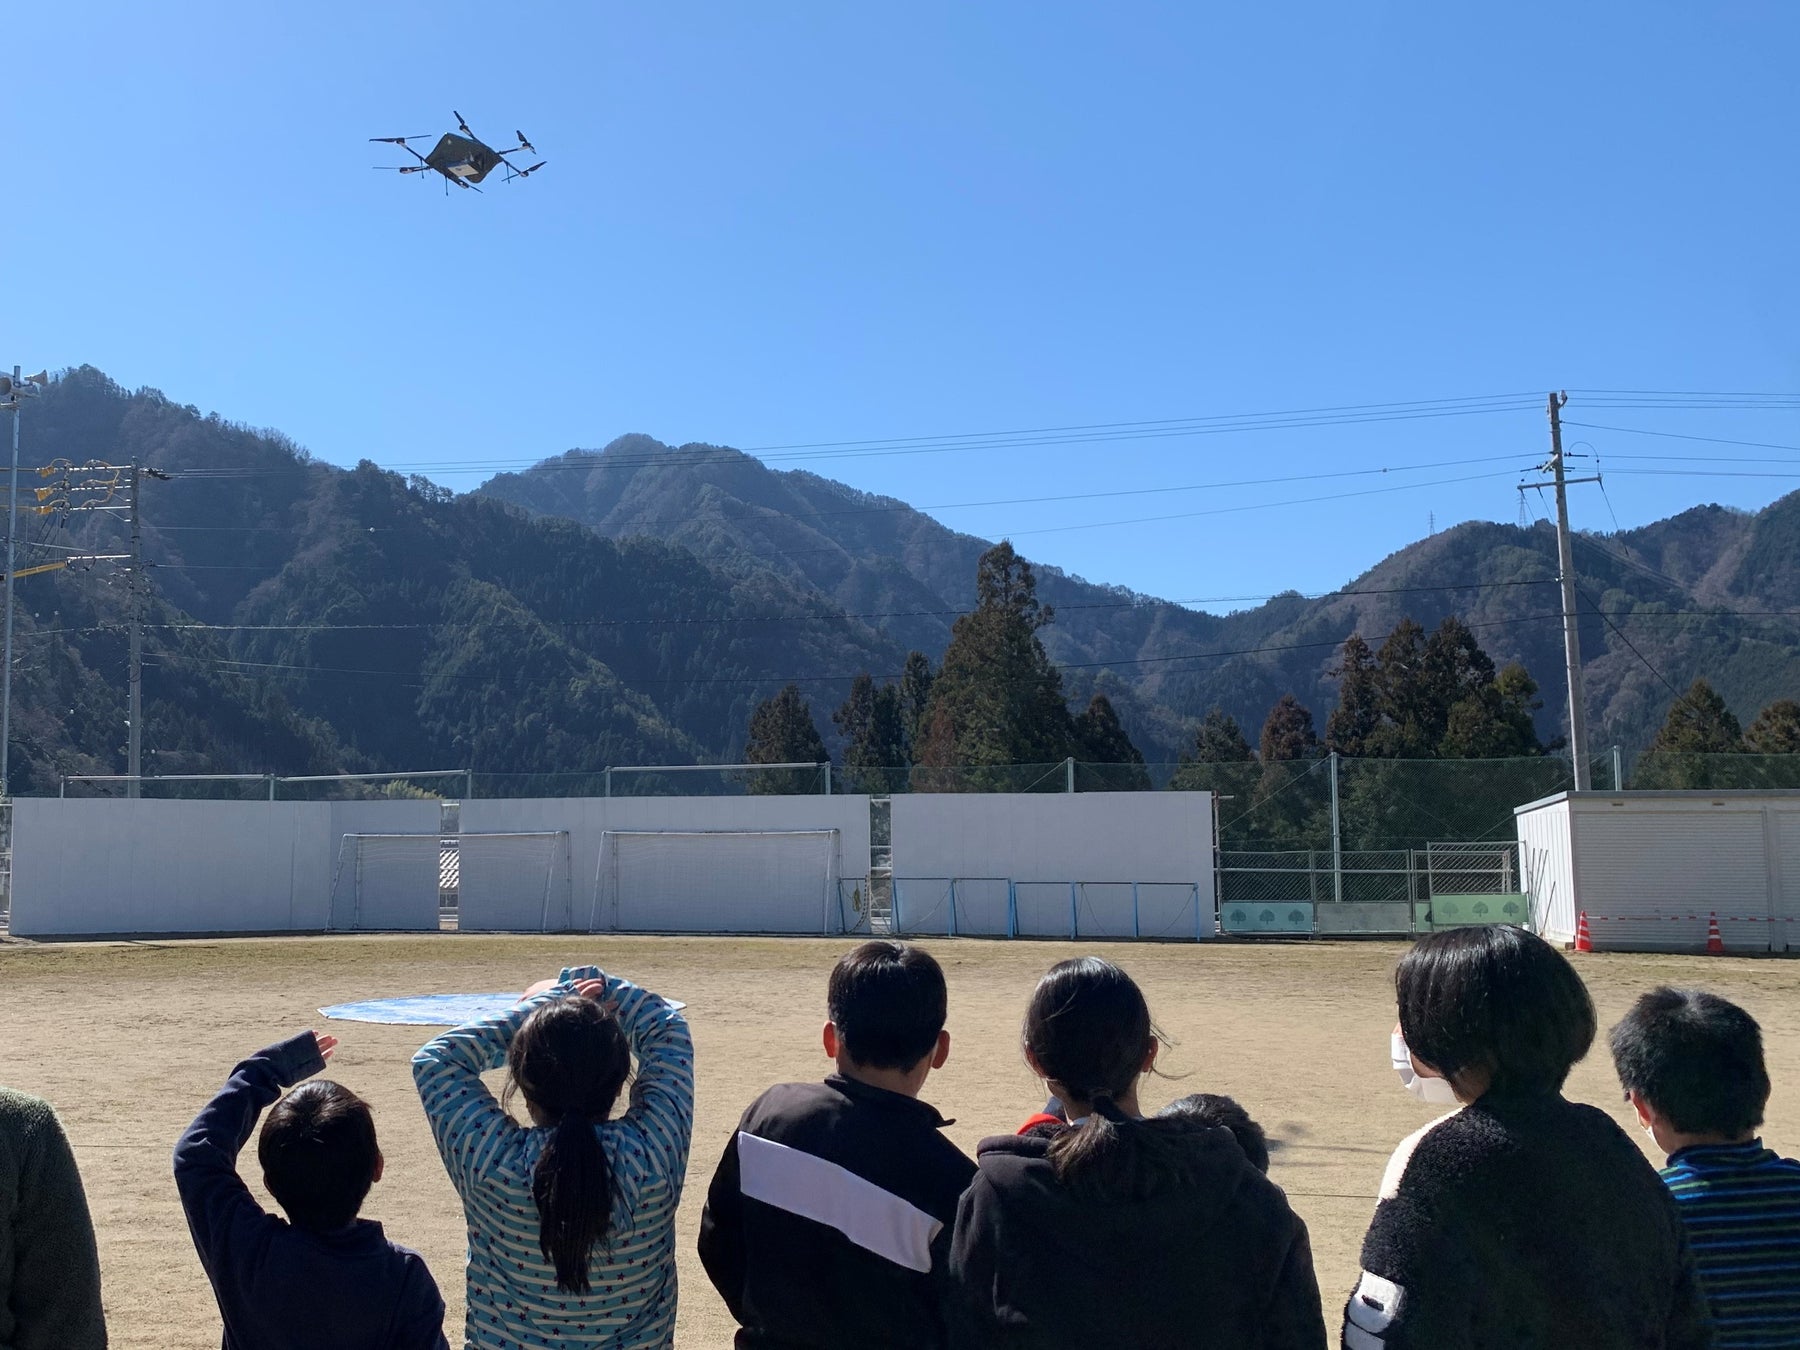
x,y
129,1039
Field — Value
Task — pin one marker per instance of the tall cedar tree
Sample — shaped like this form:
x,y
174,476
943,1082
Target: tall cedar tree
x,y
1219,740
1435,697
1100,739
1287,732
1776,730
782,732
1002,697
915,693
870,721
1699,723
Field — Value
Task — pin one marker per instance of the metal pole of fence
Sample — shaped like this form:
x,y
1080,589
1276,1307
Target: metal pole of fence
x,y
272,781
1012,908
827,778
62,788
1069,766
468,784
1134,910
1337,836
1618,768
1074,906
952,928
609,780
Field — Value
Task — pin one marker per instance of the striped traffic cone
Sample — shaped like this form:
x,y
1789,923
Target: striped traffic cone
x,y
1583,941
1715,945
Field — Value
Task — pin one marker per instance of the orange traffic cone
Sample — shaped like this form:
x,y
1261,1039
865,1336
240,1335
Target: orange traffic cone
x,y
1583,941
1715,945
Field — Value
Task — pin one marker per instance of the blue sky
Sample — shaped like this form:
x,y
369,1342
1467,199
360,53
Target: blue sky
x,y
785,224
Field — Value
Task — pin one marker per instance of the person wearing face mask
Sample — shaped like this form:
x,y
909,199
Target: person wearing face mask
x,y
1522,1220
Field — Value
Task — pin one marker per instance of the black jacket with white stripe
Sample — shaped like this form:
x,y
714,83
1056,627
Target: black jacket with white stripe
x,y
828,1219
1530,1223
1219,1262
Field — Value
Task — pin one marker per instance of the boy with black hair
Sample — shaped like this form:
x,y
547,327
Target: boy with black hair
x,y
1206,1110
828,1220
1692,1066
323,1280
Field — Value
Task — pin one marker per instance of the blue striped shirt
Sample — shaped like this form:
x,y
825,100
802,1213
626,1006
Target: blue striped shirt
x,y
513,1300
1740,1204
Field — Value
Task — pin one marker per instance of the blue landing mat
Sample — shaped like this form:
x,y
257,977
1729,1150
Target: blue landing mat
x,y
429,1010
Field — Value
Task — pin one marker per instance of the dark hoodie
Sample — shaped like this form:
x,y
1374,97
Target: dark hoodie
x,y
1216,1261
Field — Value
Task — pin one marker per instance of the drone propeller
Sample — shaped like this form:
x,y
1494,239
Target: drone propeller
x,y
526,173
398,140
462,125
525,144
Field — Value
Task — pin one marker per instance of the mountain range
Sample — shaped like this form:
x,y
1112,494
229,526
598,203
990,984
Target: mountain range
x,y
632,604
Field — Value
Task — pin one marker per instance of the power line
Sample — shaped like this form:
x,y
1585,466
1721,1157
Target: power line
x,y
1682,436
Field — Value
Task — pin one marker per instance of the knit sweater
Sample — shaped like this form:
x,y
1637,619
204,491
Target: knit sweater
x,y
49,1269
1524,1223
1740,1204
513,1299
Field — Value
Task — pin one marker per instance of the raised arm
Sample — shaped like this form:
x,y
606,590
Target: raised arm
x,y
662,1095
465,1119
214,1197
55,1295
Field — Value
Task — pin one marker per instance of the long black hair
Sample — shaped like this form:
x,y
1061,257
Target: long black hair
x,y
1089,1029
570,1059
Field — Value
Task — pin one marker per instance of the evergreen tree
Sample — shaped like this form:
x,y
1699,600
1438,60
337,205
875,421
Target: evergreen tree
x,y
1287,733
1699,723
1495,720
782,732
874,737
1002,697
1353,723
1776,730
915,695
1219,740
1405,685
1100,738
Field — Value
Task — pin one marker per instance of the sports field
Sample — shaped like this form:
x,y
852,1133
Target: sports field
x,y
128,1039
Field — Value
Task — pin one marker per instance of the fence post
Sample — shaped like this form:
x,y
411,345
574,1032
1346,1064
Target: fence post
x,y
1069,768
1337,836
1074,906
609,780
1618,767
468,784
1012,908
271,787
1134,910
827,778
62,788
951,931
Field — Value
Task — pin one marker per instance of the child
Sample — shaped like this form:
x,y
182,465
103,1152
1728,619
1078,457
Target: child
x,y
828,1220
324,1280
1523,1220
1692,1066
1112,1230
49,1269
1206,1109
572,1218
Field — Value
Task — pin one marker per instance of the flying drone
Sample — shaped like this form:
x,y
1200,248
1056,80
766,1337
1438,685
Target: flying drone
x,y
463,159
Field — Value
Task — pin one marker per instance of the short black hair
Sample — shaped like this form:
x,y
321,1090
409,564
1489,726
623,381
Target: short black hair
x,y
888,1003
1210,1109
1497,999
318,1154
1697,1058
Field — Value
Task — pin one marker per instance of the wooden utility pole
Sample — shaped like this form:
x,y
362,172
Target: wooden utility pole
x,y
1565,566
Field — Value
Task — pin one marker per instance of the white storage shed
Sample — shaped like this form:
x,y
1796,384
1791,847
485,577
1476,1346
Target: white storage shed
x,y
1649,869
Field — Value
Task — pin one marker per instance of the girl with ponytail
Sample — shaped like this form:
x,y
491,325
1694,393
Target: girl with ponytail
x,y
571,1218
1110,1229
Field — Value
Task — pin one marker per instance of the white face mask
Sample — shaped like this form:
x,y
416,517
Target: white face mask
x,y
1431,1091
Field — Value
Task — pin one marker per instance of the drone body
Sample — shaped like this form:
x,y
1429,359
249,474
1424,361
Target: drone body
x,y
463,159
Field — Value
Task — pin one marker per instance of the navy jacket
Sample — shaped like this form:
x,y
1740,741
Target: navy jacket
x,y
285,1288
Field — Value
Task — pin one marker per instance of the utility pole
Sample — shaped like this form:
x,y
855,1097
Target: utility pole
x,y
135,703
1565,566
11,393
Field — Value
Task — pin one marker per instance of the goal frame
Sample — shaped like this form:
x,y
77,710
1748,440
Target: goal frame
x,y
608,899
559,857
350,850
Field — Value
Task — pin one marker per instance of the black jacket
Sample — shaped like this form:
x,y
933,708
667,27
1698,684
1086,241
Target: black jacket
x,y
280,1287
1530,1223
828,1220
1217,1262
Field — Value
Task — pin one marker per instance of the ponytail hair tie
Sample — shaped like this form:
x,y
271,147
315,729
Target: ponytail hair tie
x,y
1106,1109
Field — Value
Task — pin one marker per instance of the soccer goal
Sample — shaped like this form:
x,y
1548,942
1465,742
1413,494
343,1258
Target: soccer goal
x,y
385,883
513,883
716,881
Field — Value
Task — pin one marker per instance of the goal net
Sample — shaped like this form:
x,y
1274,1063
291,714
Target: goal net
x,y
385,883
717,881
513,883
